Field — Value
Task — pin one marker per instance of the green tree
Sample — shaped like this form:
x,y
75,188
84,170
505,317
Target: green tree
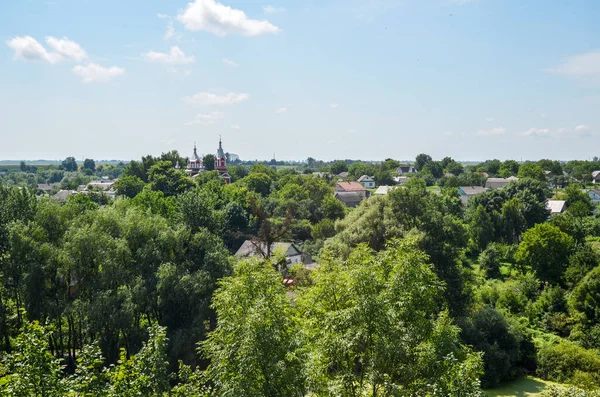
x,y
546,250
578,201
481,228
507,353
373,323
513,220
509,168
585,298
129,186
339,167
454,168
421,160
89,164
163,177
69,164
209,162
581,262
253,350
258,182
32,370
489,261
532,170
434,168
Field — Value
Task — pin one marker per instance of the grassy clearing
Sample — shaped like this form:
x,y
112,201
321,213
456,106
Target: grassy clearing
x,y
522,387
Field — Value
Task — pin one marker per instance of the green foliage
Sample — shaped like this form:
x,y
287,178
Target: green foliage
x,y
421,160
559,362
489,261
129,186
532,171
481,229
581,262
165,178
69,164
356,318
557,391
258,182
209,162
32,370
507,351
252,350
585,298
578,201
338,167
89,164
545,249
323,230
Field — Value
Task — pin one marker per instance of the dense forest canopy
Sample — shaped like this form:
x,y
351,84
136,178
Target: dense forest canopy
x,y
410,293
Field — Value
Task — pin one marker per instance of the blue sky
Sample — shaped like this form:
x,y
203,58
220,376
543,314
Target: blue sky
x,y
328,79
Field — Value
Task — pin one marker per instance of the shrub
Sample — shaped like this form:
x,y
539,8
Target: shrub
x,y
507,351
559,362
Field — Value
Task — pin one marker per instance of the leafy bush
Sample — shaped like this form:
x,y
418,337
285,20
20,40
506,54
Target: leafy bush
x,y
556,391
508,352
559,362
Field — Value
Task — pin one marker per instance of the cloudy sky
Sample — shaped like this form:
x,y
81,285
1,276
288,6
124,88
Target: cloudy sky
x,y
369,79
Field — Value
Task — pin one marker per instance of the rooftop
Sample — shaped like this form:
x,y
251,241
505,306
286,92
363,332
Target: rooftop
x,y
351,186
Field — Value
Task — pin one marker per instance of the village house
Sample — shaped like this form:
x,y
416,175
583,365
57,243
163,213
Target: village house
x,y
596,176
354,187
383,190
63,195
594,196
349,199
258,249
556,206
401,180
468,192
499,183
367,181
96,185
406,170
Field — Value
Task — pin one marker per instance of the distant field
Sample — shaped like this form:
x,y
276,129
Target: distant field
x,y
523,387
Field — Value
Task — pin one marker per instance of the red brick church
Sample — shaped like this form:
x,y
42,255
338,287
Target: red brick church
x,y
196,167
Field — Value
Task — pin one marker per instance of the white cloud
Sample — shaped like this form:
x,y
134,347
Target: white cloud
x,y
207,118
334,105
163,16
493,131
281,110
490,119
219,19
67,49
273,10
582,128
449,133
207,98
174,57
26,47
229,62
95,73
537,132
351,131
579,66
170,32
235,127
